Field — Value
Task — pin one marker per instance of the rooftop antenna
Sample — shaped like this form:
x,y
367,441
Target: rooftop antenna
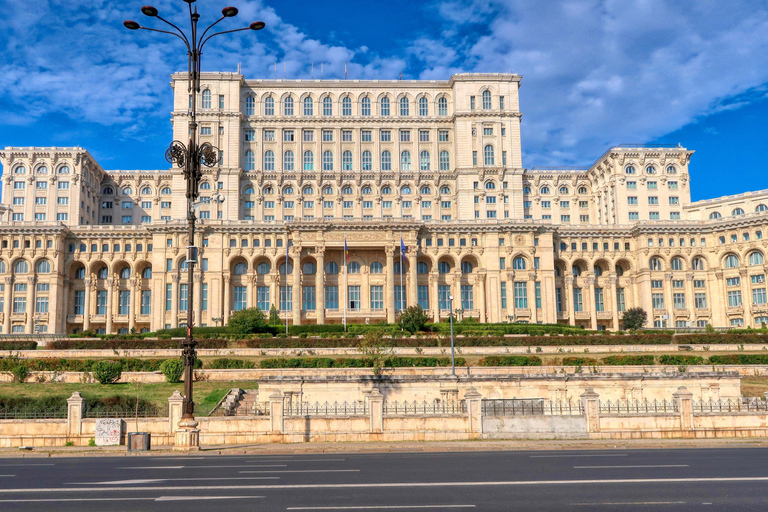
x,y
401,76
238,68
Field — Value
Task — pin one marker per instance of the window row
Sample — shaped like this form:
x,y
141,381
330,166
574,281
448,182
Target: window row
x,y
739,211
366,163
326,107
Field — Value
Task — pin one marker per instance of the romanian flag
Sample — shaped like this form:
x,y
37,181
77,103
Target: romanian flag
x,y
346,249
402,249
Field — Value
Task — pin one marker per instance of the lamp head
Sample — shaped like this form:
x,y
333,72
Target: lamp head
x,y
131,25
148,10
450,297
257,25
229,12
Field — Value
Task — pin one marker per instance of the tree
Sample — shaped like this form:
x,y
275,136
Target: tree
x,y
274,316
247,321
107,372
376,349
634,319
413,319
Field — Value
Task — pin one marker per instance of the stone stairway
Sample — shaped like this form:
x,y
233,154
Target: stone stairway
x,y
249,405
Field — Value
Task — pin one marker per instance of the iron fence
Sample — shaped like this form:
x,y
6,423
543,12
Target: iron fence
x,y
744,404
394,408
638,406
324,409
531,407
145,411
33,413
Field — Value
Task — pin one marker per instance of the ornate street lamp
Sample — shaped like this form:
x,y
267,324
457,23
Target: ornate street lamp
x,y
190,158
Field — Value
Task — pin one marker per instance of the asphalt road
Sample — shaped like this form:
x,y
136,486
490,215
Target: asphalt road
x,y
622,480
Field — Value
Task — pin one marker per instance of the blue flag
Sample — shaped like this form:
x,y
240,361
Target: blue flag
x,y
402,249
346,250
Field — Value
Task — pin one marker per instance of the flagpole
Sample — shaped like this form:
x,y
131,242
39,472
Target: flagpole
x,y
402,261
286,281
346,260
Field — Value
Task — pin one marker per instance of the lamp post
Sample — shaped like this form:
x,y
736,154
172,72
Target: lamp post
x,y
189,158
453,358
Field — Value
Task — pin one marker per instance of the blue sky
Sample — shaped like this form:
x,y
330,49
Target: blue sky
x,y
595,73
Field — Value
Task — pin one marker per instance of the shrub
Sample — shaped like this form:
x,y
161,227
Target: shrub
x,y
579,361
247,321
163,342
18,345
739,359
107,372
681,360
510,361
634,319
230,364
723,338
627,360
173,369
20,372
344,362
413,319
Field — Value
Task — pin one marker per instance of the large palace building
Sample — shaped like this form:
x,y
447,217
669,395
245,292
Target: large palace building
x,y
309,166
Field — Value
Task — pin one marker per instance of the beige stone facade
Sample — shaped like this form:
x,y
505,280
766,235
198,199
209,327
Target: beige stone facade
x,y
310,165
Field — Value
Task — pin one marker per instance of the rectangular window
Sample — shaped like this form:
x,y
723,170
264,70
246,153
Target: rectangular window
x,y
346,135
353,297
399,298
79,306
269,135
366,135
700,299
621,304
168,297
41,185
503,295
678,300
146,302
758,296
205,130
386,135
657,300
288,136
672,185
578,300
565,218
673,200
101,302
308,298
249,135
184,297
423,135
559,299
634,216
467,297
537,292
442,135
240,301
405,135
377,297
331,297
653,200
124,302
286,298
733,281
262,298
599,300
678,283
657,283
221,101
698,283
41,304
521,295
652,185
423,296
632,200
487,130
759,278
443,297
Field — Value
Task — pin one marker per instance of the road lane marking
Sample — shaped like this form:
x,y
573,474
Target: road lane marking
x,y
6,475
647,466
161,498
152,467
195,498
564,456
511,483
382,507
297,460
206,467
306,471
155,480
631,503
22,465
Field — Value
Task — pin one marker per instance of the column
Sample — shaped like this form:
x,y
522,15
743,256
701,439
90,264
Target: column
x,y
297,286
30,305
413,286
669,305
175,404
568,307
684,399
56,314
274,291
133,309
690,298
75,410
590,403
110,293
276,422
389,290
376,411
174,302
433,298
474,402
87,306
589,299
615,302
510,284
320,286
532,303
746,297
480,282
456,291
198,299
8,305
227,301
718,301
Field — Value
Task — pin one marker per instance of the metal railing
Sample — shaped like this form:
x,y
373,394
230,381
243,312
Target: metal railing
x,y
326,409
396,408
744,404
638,406
531,407
33,413
146,411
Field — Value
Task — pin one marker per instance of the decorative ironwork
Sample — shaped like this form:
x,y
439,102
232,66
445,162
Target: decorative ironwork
x,y
176,154
395,408
744,404
638,406
209,154
531,407
144,411
33,413
326,409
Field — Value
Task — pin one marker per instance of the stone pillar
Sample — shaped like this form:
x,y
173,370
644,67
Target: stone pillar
x,y
198,299
133,311
276,418
174,301
389,290
75,410
30,305
684,400
474,401
746,297
376,411
249,302
434,303
296,286
613,280
8,305
569,306
87,306
227,301
532,304
413,287
175,404
590,402
320,286
690,298
480,281
590,302
274,292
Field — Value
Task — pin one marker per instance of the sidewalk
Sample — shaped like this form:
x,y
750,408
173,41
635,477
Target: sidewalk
x,y
407,447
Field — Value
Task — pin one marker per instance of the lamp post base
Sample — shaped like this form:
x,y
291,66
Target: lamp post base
x,y
187,437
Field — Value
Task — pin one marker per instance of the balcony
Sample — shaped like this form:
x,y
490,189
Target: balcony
x,y
74,319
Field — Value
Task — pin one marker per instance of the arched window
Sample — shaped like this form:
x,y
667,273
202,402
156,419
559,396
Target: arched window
x,y
328,189
406,190
20,267
286,268
756,258
367,160
671,169
44,267
384,106
146,191
327,106
422,268
398,268
564,190
404,106
346,160
737,211
650,170
731,261
63,169
249,191
490,185
405,160
205,186
443,267
125,273
423,106
354,267
486,100
442,106
386,160
240,269
309,161
715,215
42,170
365,106
263,268
166,191
655,263
183,265
269,191
269,160
424,160
488,155
127,191
445,190
20,170
331,268
582,190
250,161
576,269
288,106
346,106
377,267
619,270
518,263
426,191
288,160
347,190
629,170
250,106
526,190
386,190
445,161
146,273
269,106
598,271
761,208
308,269
327,161
544,191
697,263
207,98
466,267
676,263
102,273
309,107
80,273
367,190
308,191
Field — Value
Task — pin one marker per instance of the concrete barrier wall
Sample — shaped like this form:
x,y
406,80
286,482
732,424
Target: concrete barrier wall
x,y
553,427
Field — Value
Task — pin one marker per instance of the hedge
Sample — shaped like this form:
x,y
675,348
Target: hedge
x,y
476,328
131,344
129,364
724,338
681,360
627,360
18,345
345,362
739,359
230,364
580,361
510,361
